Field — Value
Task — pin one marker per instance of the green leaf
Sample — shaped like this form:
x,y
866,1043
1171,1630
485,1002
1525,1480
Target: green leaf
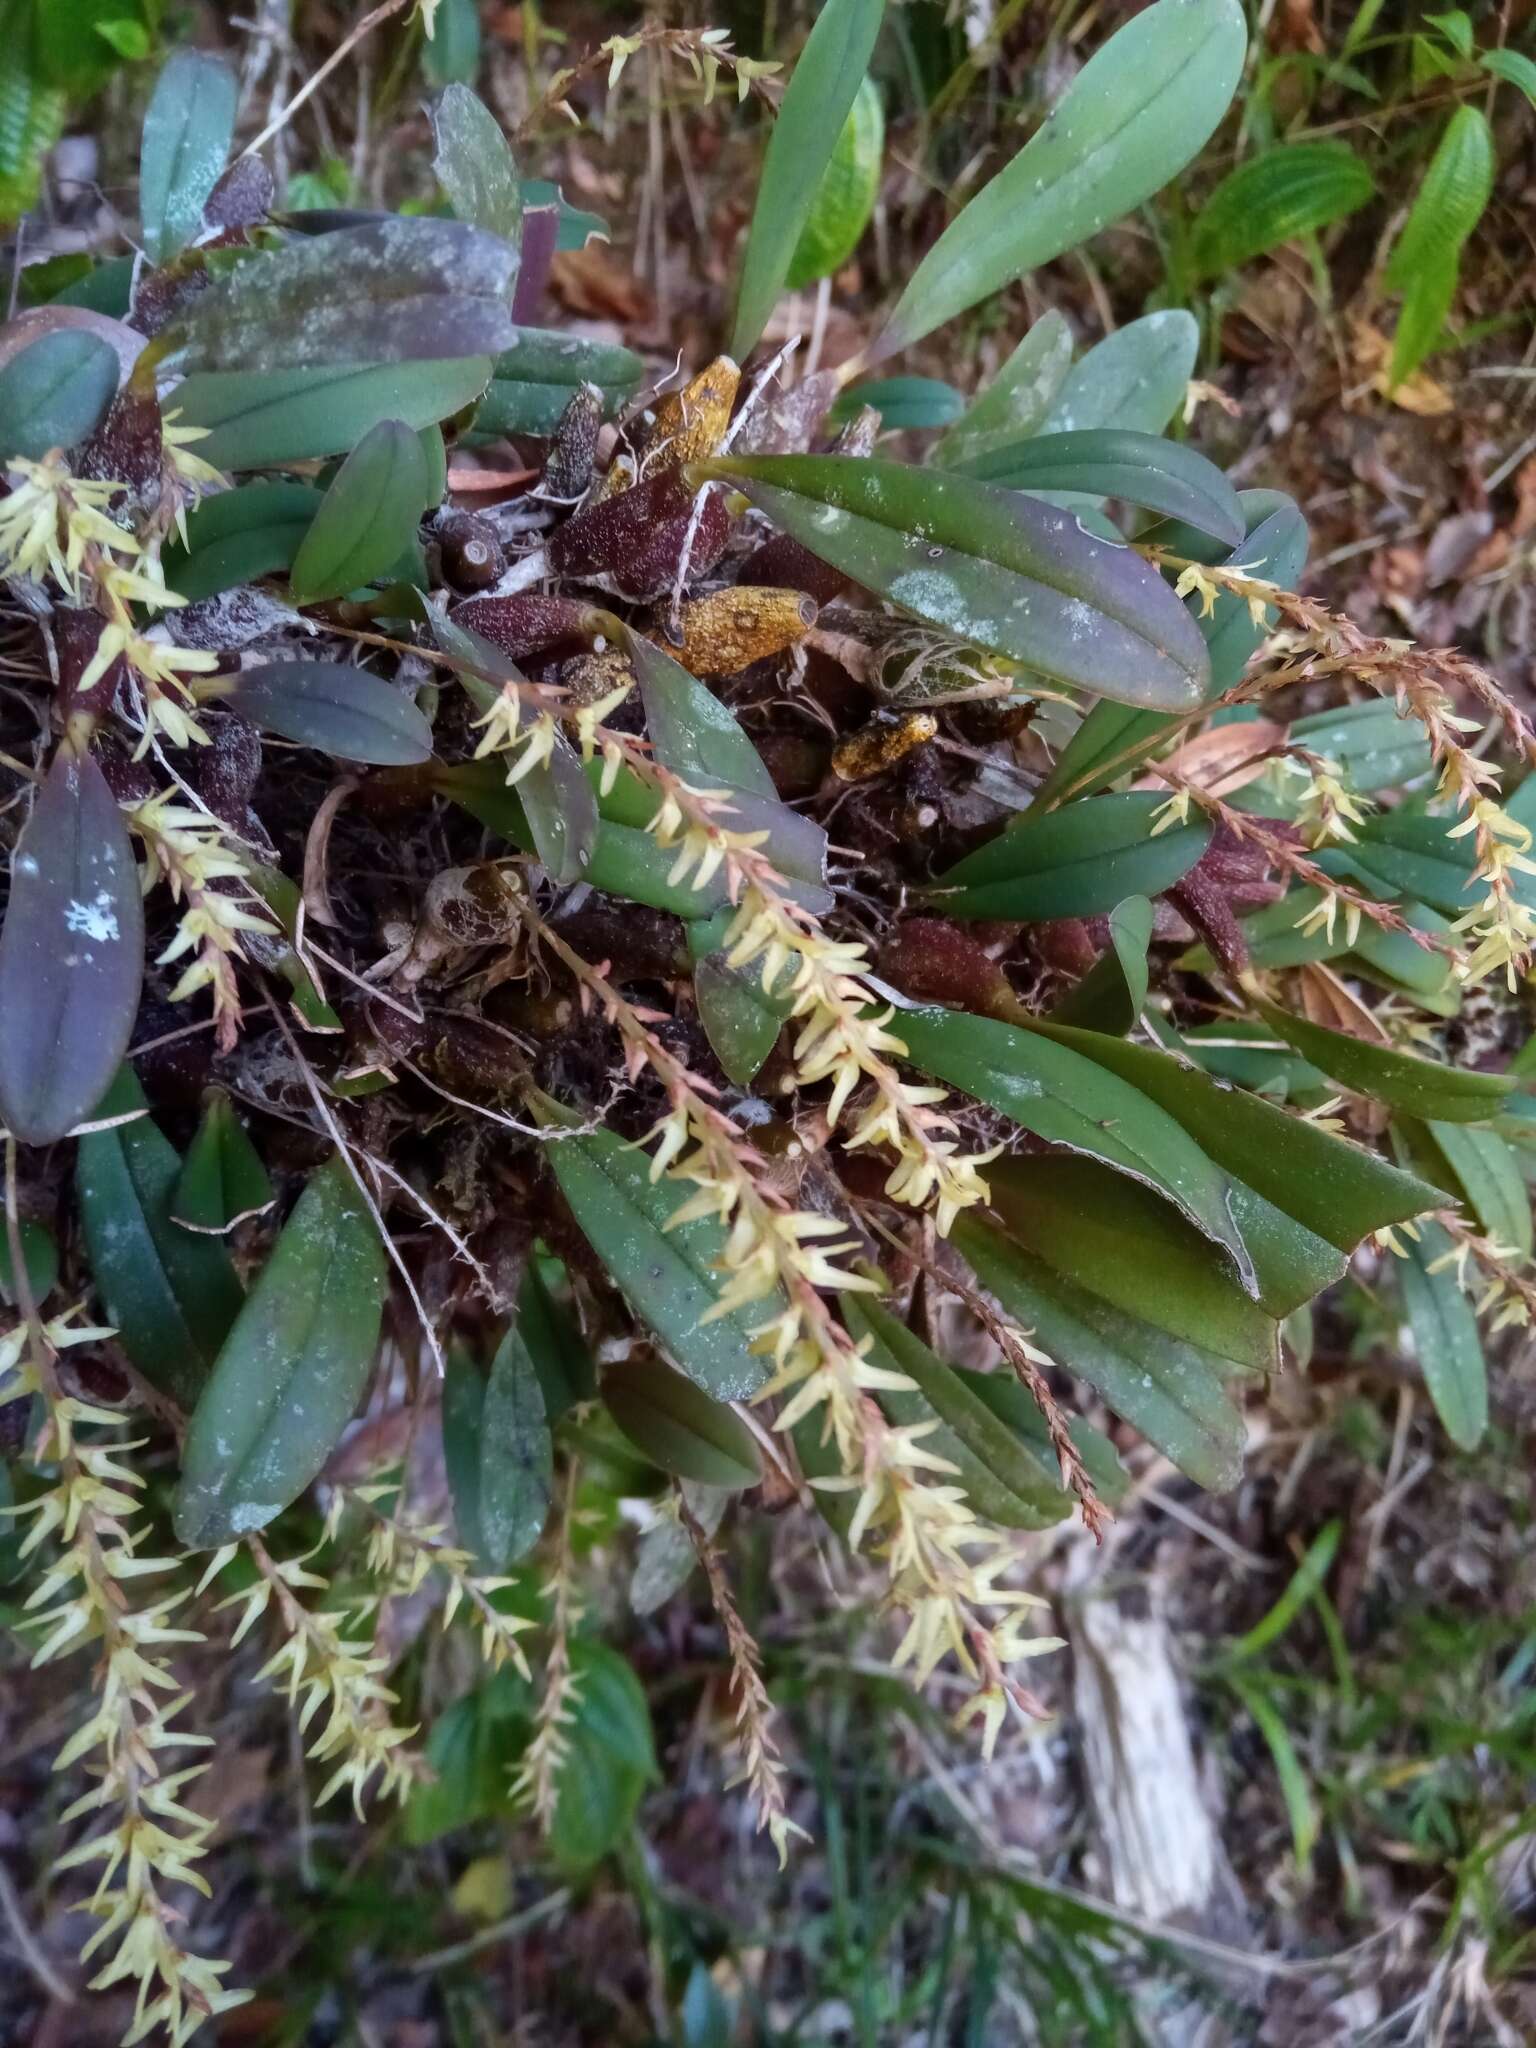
x,y
392,290
1078,861
71,953
515,1457
1335,1189
291,1371
348,712
1489,1176
1113,738
1291,190
1052,1091
39,1258
239,536
451,54
1374,744
32,111
626,860
561,1356
1445,1337
1402,1080
368,517
1014,405
1304,1583
740,1022
474,164
55,392
610,1759
263,419
1114,1237
670,1278
806,135
1405,853
698,737
188,127
1115,462
678,1426
1138,111
1512,67
903,403
1300,1807
171,1296
1008,1401
472,1748
1005,1481
1111,994
1449,203
561,810
222,1179
844,200
535,378
1174,1392
991,566
1135,377
1427,300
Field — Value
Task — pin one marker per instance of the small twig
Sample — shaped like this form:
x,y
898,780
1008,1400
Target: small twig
x,y
27,1944
339,55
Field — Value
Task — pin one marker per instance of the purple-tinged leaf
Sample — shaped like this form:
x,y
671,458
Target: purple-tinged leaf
x,y
990,566
71,954
394,290
348,712
474,164
541,238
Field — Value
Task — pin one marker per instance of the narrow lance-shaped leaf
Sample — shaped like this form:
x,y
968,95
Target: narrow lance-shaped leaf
x,y
1117,1238
340,710
188,126
222,1180
497,1447
1114,462
1110,995
55,392
1004,1479
698,738
1137,112
368,518
1427,1088
1078,861
291,1371
561,809
845,198
1135,377
474,164
1014,405
1174,1392
1066,1100
669,1276
810,121
679,1427
238,536
990,566
263,419
71,953
171,1296
1445,1336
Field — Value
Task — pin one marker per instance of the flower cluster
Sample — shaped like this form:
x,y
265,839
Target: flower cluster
x,y
55,524
943,1563
187,849
147,1839
326,1655
404,1556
